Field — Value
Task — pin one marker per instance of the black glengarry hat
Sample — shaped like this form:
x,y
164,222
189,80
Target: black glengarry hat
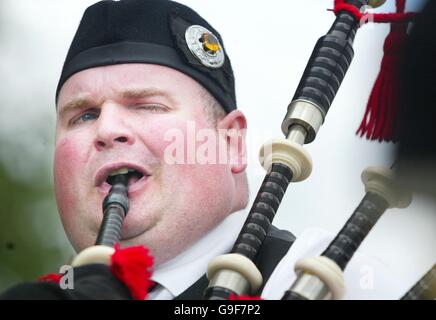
x,y
152,31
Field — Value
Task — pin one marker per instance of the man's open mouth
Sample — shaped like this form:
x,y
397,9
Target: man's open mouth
x,y
132,175
136,176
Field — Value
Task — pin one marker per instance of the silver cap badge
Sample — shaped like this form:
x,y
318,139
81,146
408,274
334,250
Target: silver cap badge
x,y
205,46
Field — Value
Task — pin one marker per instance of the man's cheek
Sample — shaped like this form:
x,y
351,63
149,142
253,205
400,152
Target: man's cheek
x,y
66,166
67,156
67,163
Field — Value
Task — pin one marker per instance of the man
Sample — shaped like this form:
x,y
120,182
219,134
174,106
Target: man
x,y
141,79
129,81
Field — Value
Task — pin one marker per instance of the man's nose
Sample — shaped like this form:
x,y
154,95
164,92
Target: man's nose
x,y
112,128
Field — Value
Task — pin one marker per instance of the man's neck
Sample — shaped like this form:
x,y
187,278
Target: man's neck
x,y
177,274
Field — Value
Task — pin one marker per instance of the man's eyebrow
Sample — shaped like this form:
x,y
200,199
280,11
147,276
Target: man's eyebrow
x,y
145,93
77,103
82,102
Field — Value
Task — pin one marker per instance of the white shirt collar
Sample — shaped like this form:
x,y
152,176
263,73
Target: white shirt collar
x,y
179,273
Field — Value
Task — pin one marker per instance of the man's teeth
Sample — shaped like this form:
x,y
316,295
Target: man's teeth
x,y
120,171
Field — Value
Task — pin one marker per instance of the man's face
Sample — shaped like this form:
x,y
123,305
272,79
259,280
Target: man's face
x,y
120,116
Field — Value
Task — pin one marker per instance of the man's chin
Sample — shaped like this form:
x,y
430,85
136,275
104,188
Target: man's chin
x,y
132,240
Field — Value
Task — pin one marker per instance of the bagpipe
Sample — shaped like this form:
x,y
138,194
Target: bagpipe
x,y
286,161
235,275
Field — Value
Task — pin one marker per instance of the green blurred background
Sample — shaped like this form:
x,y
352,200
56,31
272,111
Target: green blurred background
x,y
32,240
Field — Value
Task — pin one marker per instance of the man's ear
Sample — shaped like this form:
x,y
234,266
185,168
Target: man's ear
x,y
233,129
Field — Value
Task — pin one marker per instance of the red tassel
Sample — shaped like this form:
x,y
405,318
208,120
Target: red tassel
x,y
236,297
51,277
381,115
132,266
380,121
381,118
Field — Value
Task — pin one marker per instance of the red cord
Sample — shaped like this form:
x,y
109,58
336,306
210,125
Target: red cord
x,y
341,5
236,297
51,277
398,16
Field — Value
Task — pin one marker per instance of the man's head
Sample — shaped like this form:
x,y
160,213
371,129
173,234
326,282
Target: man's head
x,y
160,119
